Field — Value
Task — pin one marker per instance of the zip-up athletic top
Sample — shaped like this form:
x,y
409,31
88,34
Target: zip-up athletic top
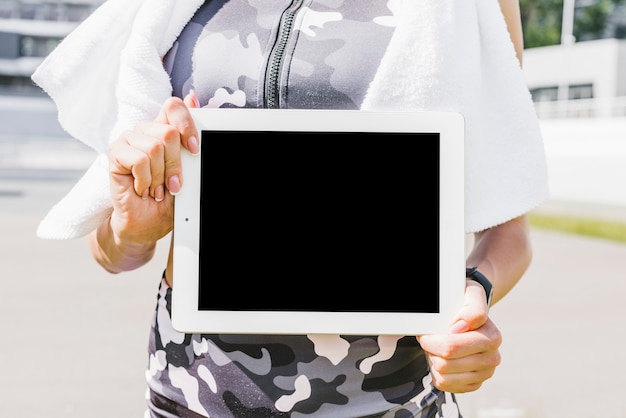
x,y
318,54
281,54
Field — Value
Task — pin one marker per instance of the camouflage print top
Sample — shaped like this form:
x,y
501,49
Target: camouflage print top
x,y
328,53
228,54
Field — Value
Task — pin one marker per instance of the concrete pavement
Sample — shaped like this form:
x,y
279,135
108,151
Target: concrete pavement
x,y
564,335
74,337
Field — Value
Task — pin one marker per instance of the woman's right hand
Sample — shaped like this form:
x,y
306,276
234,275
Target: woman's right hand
x,y
145,172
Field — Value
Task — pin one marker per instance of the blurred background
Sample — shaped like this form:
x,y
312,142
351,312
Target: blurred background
x,y
574,63
73,337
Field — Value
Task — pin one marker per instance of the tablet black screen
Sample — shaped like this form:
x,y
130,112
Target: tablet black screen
x,y
320,221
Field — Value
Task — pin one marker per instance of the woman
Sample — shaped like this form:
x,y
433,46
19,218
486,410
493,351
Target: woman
x,y
139,65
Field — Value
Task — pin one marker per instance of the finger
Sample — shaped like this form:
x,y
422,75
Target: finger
x,y
128,157
464,374
474,312
175,113
460,382
486,362
156,141
454,346
191,100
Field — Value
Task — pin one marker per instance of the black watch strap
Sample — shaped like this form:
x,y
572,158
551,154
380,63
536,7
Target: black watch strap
x,y
474,274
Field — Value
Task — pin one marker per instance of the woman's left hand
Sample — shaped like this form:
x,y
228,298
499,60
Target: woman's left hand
x,y
466,357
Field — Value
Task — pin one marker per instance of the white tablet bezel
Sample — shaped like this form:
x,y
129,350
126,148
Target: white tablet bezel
x,y
449,125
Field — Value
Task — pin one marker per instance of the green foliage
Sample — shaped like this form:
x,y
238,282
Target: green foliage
x,y
598,228
542,20
590,22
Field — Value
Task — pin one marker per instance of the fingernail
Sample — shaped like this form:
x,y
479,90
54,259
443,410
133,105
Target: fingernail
x,y
173,185
194,97
158,193
193,145
145,193
459,327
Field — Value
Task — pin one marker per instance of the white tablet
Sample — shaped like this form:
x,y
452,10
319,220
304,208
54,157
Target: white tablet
x,y
320,221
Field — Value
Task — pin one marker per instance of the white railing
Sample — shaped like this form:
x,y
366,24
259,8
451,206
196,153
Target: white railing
x,y
582,108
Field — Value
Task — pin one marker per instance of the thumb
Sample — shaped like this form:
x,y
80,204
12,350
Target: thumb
x,y
474,312
191,99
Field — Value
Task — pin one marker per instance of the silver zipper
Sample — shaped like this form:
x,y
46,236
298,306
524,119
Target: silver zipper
x,y
271,96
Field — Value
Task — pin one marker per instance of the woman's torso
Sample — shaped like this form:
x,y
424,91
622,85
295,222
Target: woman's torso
x,y
331,54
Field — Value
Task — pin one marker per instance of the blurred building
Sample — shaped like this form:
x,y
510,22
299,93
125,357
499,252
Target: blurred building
x,y
29,30
32,142
579,79
574,79
579,91
585,75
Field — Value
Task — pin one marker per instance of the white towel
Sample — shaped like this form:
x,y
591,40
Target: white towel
x,y
444,55
457,55
116,49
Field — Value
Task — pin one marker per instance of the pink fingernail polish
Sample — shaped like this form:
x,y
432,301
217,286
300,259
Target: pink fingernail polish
x,y
159,194
192,144
194,97
173,185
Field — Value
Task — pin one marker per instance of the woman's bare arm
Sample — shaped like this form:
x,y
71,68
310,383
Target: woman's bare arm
x,y
512,16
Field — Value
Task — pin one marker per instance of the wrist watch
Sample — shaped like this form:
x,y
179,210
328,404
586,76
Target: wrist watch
x,y
477,276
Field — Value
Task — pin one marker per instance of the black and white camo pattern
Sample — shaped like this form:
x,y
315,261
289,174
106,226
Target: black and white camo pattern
x,y
333,54
198,375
